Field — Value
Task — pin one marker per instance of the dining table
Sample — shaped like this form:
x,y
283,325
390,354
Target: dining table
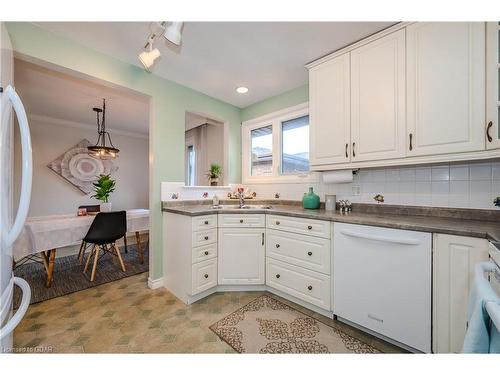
x,y
43,235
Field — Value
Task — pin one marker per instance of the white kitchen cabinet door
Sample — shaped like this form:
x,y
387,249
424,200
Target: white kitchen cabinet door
x,y
454,258
329,112
378,99
241,255
492,85
446,87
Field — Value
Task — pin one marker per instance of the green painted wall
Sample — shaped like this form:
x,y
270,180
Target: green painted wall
x,y
169,102
290,98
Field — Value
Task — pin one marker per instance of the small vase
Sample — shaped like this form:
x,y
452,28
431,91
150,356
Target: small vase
x,y
214,181
105,207
311,200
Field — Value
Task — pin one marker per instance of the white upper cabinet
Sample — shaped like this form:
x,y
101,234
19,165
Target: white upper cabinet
x,y
492,85
329,112
446,87
378,99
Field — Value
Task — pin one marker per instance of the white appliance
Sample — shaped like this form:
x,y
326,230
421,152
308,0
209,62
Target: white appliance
x,y
382,282
11,228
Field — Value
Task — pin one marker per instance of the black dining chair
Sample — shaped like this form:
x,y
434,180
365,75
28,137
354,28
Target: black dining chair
x,y
92,209
106,228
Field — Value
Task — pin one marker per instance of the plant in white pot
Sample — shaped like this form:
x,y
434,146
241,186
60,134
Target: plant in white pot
x,y
103,188
214,174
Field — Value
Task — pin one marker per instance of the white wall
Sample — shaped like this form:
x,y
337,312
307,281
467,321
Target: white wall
x,y
465,185
52,194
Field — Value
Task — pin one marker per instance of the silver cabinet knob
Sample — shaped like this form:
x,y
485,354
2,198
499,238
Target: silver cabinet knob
x,y
206,276
206,252
206,222
277,275
309,227
310,287
277,245
206,237
241,221
309,253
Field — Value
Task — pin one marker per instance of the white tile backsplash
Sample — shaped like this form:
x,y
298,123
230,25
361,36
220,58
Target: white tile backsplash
x,y
463,185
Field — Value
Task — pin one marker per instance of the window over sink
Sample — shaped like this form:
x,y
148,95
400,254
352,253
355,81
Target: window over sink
x,y
275,147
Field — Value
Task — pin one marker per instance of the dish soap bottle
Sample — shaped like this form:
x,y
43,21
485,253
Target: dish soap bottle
x,y
215,200
311,200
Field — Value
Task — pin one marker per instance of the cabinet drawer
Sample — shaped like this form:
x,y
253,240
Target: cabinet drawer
x,y
305,251
310,286
204,276
318,228
242,220
204,237
202,253
204,222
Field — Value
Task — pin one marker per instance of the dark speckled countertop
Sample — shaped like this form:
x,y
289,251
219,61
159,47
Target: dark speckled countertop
x,y
459,222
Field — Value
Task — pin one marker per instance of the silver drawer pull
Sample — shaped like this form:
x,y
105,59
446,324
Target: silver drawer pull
x,y
206,276
310,287
309,253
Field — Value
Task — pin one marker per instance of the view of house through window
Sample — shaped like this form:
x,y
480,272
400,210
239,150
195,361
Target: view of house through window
x,y
262,151
295,145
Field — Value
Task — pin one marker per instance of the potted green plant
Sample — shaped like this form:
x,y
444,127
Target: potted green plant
x,y
214,174
103,188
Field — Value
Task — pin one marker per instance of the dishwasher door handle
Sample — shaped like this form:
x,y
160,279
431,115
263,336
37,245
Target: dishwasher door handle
x,y
401,241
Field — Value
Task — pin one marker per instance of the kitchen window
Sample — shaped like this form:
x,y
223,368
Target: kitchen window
x,y
275,147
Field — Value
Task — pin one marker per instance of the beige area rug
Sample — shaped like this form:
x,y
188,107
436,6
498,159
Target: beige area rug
x,y
267,325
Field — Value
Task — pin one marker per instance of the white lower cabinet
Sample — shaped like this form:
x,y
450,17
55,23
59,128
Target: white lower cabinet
x,y
204,276
241,256
309,252
454,258
309,286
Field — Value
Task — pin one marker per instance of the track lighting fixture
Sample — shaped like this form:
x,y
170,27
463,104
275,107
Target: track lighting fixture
x,y
172,31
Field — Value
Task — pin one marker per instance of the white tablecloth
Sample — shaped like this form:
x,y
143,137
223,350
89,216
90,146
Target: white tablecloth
x,y
56,231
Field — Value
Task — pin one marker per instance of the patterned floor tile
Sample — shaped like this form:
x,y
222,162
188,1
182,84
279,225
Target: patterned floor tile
x,y
125,316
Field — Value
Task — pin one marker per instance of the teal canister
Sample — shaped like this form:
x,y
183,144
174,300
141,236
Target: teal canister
x,y
311,200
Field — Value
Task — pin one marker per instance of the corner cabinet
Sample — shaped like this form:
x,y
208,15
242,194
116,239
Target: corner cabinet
x,y
241,249
454,258
446,87
329,112
378,99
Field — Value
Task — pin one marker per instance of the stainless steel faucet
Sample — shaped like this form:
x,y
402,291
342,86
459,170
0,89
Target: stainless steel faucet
x,y
242,200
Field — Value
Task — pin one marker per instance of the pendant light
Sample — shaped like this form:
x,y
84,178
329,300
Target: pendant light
x,y
100,150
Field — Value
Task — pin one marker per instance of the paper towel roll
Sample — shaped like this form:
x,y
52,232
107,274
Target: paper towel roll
x,y
337,177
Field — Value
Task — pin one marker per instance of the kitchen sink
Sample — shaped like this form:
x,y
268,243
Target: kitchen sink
x,y
245,207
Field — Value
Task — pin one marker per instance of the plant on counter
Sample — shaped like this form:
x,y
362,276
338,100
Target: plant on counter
x,y
103,188
496,201
214,173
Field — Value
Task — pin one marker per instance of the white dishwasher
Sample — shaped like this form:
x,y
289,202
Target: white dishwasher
x,y
382,281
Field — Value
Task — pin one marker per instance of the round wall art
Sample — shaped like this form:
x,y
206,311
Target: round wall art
x,y
79,168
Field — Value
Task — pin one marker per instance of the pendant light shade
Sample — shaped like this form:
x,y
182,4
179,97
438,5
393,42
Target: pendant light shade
x,y
103,149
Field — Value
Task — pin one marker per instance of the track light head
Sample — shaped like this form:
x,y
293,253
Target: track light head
x,y
173,33
148,58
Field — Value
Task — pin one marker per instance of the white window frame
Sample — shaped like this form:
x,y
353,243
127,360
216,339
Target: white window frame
x,y
275,119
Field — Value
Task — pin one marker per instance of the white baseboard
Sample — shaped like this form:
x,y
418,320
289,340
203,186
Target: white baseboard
x,y
155,283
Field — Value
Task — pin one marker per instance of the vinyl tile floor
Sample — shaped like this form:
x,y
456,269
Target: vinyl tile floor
x,y
125,316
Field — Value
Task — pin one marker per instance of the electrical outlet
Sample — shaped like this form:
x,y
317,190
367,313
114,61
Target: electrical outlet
x,y
356,190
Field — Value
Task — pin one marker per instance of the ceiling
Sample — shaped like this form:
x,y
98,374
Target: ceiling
x,y
57,95
217,57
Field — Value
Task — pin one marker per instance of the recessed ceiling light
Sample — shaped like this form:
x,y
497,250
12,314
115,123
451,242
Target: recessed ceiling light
x,y
242,90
